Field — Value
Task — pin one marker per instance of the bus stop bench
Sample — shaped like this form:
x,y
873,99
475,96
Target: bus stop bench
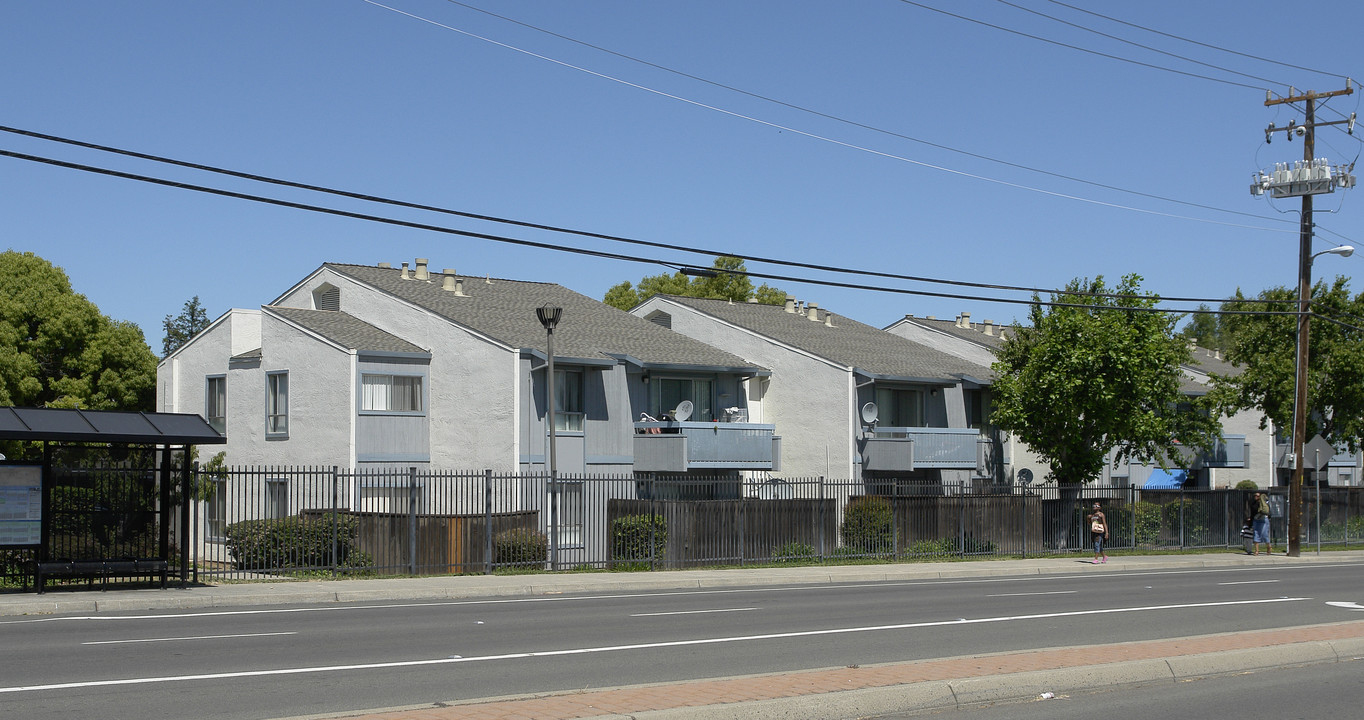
x,y
102,570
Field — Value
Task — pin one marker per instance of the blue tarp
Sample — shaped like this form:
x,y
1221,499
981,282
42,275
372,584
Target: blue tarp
x,y
1165,479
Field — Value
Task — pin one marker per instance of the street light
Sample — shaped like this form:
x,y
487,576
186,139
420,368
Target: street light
x,y
1300,389
549,316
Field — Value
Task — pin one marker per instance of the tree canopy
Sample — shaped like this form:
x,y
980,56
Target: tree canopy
x,y
729,283
1096,374
1264,346
180,328
58,350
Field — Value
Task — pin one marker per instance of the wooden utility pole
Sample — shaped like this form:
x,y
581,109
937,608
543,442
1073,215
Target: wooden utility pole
x,y
1307,131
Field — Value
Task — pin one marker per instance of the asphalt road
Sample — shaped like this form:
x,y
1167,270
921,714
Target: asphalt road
x,y
265,662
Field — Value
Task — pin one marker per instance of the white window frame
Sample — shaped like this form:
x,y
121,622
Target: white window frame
x,y
215,402
277,403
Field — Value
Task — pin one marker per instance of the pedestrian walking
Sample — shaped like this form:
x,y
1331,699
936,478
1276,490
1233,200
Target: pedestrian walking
x,y
1259,508
1098,532
1248,534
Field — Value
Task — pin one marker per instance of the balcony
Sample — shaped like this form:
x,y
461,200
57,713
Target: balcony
x,y
901,449
682,446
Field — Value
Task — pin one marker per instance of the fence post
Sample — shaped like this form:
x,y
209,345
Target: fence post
x,y
412,520
819,518
653,508
1024,505
488,521
336,521
961,519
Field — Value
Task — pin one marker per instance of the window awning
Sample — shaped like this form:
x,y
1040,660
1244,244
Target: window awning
x,y
1165,479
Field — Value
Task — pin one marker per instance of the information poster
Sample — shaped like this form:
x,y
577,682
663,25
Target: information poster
x,y
21,505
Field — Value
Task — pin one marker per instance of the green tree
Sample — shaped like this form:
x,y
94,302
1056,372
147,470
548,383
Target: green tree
x,y
180,328
729,283
1264,347
1204,329
58,350
1092,375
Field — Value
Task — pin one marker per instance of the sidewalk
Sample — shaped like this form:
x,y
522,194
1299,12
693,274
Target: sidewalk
x,y
828,693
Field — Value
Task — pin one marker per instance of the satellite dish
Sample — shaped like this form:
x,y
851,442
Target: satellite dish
x,y
870,413
1025,477
683,411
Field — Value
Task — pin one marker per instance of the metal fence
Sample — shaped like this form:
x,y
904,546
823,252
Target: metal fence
x,y
268,522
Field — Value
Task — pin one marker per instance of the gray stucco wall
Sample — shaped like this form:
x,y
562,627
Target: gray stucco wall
x,y
473,389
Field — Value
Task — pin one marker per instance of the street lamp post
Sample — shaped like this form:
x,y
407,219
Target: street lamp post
x,y
1305,259
549,316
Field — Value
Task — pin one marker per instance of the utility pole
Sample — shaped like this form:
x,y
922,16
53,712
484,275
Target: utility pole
x,y
1311,176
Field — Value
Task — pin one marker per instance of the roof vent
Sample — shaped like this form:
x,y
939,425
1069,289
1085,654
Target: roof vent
x,y
828,319
989,327
404,274
385,265
790,303
964,321
814,312
422,272
451,283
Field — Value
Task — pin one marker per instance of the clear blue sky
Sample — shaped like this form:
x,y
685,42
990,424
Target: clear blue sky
x,y
480,114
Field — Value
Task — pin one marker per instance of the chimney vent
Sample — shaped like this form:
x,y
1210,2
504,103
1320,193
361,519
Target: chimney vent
x,y
422,273
989,327
814,312
404,274
448,281
828,319
790,303
385,265
966,320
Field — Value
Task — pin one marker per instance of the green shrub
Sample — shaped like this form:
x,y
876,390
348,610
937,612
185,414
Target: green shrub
x,y
1248,485
949,546
520,546
1147,523
867,525
635,539
795,552
295,542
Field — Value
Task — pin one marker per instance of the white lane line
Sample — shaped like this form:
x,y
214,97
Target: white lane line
x,y
693,612
1346,605
617,648
1053,592
192,637
1249,582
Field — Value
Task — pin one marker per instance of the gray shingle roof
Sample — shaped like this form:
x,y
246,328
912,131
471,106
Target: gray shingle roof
x,y
975,333
505,311
851,343
346,330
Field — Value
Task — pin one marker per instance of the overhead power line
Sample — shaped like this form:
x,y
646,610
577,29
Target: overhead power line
x,y
825,138
860,125
598,253
535,226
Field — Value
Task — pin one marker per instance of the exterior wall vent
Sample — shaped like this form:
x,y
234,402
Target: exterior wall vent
x,y
662,319
327,297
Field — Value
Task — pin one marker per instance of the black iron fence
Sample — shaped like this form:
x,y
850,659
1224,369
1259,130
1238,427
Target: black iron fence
x,y
269,522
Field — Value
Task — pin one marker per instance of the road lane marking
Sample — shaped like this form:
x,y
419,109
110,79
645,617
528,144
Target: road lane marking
x,y
618,648
1249,582
693,612
191,637
1053,592
1346,605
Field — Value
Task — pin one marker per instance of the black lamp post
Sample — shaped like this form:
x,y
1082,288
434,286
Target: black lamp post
x,y
549,317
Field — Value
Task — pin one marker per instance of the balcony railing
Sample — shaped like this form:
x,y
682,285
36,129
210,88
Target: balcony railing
x,y
682,446
902,449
